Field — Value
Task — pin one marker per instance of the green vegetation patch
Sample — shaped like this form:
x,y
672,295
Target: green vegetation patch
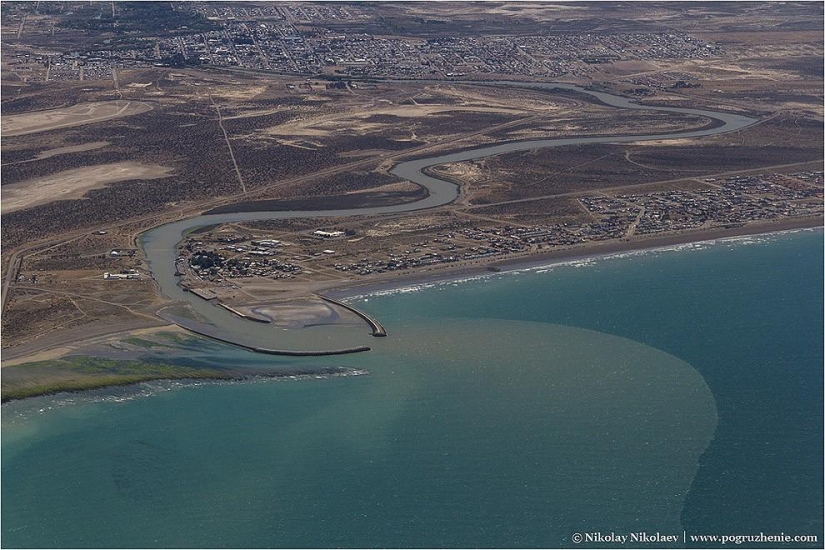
x,y
77,373
144,343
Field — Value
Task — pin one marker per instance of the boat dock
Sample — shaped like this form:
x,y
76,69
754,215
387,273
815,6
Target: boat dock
x,y
205,293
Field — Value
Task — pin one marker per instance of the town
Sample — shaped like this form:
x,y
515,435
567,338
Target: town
x,y
221,256
313,40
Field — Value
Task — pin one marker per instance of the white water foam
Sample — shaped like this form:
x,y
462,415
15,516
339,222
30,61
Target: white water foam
x,y
35,406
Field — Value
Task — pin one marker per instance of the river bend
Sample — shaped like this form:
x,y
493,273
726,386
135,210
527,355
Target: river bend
x,y
160,243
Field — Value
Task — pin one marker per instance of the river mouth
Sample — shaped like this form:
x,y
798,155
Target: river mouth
x,y
299,330
160,244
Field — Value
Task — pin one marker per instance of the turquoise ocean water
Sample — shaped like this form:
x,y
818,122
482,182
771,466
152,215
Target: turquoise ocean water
x,y
672,391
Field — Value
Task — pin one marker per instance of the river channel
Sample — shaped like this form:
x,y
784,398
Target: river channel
x,y
160,244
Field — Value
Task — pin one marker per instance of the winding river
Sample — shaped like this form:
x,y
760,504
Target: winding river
x,y
159,244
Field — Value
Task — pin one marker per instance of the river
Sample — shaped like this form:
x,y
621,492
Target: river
x,y
160,244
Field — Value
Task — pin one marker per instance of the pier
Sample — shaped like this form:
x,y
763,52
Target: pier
x,y
204,293
160,243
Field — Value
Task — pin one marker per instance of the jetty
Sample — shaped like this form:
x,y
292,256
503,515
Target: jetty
x,y
243,315
377,328
192,327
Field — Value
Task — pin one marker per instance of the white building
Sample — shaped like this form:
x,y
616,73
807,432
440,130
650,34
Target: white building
x,y
328,234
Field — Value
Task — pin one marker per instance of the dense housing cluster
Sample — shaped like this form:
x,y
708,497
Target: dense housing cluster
x,y
311,40
732,201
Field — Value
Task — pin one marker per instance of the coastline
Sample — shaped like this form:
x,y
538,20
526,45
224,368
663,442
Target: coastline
x,y
61,349
599,249
397,281
81,373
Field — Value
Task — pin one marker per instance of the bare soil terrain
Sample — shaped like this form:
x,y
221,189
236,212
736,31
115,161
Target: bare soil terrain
x,y
359,138
73,184
89,113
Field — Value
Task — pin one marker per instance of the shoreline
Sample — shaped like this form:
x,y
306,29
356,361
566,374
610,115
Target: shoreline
x,y
159,243
592,250
56,351
398,281
75,376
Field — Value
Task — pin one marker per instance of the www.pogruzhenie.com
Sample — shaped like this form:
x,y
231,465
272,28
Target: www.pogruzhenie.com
x,y
657,538
761,538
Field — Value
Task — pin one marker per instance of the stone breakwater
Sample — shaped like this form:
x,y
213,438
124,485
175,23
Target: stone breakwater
x,y
377,328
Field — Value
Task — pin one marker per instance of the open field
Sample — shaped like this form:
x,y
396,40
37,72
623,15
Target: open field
x,y
398,193
71,149
182,133
89,113
374,120
783,139
60,301
67,150
73,184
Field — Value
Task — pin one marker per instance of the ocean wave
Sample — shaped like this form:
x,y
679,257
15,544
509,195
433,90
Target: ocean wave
x,y
418,287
